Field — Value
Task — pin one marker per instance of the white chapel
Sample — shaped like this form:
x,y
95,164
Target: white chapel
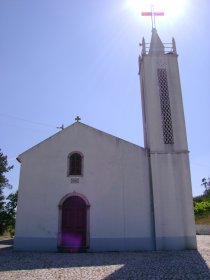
x,y
85,190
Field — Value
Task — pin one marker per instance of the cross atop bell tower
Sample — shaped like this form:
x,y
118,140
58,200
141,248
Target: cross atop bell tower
x,y
152,14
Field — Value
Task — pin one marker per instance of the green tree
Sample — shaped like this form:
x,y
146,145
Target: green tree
x,y
206,184
202,203
10,212
4,183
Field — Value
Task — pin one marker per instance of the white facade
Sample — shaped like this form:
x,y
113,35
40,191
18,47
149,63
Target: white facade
x,y
135,198
114,181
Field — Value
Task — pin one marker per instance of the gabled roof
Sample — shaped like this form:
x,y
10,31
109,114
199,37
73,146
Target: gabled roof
x,y
69,127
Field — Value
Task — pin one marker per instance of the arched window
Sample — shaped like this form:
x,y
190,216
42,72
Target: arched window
x,y
75,164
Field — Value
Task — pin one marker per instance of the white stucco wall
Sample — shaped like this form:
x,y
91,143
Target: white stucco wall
x,y
115,182
174,215
151,102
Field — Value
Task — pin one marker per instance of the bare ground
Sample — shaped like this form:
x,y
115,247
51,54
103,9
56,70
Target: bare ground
x,y
189,264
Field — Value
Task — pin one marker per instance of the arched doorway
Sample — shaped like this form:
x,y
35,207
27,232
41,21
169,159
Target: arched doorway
x,y
74,223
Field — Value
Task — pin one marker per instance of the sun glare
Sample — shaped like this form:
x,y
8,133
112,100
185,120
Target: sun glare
x,y
173,9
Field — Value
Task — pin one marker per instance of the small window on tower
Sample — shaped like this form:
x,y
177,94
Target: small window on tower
x,y
75,164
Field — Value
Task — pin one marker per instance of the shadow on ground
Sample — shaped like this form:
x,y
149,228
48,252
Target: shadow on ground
x,y
165,265
139,265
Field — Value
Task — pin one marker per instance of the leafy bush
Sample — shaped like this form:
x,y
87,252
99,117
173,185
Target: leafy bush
x,y
201,207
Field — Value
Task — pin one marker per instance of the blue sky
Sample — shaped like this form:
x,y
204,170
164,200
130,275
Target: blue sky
x,y
63,58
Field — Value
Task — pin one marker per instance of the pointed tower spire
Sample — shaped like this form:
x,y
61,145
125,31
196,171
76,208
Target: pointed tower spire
x,y
156,45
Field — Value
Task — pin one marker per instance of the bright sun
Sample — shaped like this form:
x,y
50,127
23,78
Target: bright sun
x,y
172,9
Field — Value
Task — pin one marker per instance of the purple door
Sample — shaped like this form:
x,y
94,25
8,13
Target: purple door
x,y
74,223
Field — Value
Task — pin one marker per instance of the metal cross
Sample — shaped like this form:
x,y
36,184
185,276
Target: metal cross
x,y
77,119
153,14
60,127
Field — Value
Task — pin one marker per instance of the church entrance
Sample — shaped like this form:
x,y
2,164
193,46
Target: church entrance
x,y
74,224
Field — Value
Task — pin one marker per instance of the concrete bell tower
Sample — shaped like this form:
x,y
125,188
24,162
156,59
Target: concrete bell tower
x,y
166,142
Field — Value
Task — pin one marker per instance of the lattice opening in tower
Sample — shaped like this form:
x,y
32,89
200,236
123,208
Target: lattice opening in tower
x,y
165,106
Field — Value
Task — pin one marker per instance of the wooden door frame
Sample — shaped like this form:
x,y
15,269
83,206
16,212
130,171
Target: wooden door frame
x,y
60,205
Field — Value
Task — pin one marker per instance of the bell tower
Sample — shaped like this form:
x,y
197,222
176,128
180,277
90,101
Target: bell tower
x,y
166,142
